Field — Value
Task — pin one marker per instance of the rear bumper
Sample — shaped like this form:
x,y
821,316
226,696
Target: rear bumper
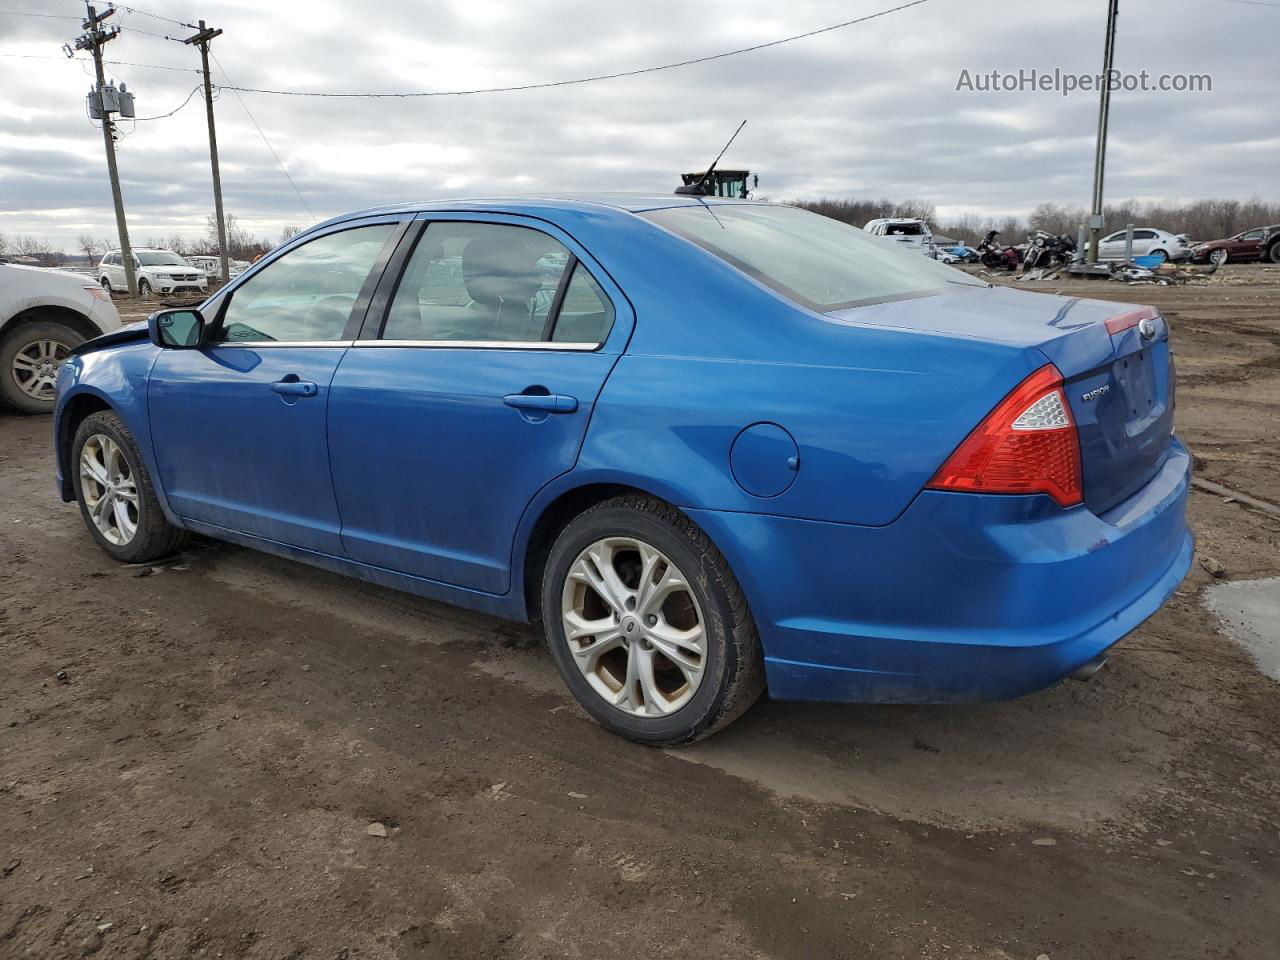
x,y
964,597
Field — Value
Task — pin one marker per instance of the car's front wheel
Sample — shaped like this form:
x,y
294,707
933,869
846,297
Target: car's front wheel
x,y
117,499
144,289
1218,257
648,625
30,355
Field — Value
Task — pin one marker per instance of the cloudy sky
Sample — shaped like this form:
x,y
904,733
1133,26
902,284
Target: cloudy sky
x,y
870,110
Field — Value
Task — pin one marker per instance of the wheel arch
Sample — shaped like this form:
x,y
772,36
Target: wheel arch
x,y
52,313
72,414
553,509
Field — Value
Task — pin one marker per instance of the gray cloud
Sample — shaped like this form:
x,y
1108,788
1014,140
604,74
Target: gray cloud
x,y
871,110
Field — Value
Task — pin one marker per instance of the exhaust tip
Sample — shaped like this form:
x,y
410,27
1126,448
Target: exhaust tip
x,y
1087,669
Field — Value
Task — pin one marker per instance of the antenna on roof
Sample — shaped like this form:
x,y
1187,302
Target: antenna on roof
x,y
699,188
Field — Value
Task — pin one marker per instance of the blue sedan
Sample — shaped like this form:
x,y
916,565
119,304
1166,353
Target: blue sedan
x,y
716,447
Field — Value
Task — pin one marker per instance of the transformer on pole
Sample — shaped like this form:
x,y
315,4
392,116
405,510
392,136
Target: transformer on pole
x,y
104,100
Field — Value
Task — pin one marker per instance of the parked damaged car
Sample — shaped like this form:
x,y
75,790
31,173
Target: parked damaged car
x,y
1260,243
714,446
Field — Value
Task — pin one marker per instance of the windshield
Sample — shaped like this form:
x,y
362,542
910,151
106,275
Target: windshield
x,y
161,260
818,262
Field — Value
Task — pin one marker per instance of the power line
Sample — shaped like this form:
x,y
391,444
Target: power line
x,y
154,16
282,167
171,112
592,79
115,63
42,16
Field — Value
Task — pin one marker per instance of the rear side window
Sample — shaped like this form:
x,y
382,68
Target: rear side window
x,y
586,314
308,294
477,281
494,282
818,262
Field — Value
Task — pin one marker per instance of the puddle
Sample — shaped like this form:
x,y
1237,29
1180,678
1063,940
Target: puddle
x,y
1250,614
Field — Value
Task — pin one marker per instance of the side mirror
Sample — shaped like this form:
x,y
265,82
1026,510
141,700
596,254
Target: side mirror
x,y
182,328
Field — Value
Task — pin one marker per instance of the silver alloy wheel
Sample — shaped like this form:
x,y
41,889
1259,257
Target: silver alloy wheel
x,y
35,368
109,489
1218,257
634,627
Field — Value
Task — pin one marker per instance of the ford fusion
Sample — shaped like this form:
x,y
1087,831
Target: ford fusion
x,y
716,447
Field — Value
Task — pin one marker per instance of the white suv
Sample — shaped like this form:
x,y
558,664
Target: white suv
x,y
157,271
43,314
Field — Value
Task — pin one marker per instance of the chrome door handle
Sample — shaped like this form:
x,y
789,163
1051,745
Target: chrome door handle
x,y
295,388
544,402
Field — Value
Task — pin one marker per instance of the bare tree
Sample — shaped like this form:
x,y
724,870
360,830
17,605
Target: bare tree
x,y
289,232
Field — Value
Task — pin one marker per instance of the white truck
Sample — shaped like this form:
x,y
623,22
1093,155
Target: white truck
x,y
907,232
43,314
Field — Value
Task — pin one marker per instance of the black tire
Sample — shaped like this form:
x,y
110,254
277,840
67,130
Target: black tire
x,y
106,285
20,339
733,675
154,537
1273,251
144,289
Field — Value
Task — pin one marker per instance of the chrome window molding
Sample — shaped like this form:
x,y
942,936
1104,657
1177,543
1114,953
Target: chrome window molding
x,y
282,343
429,344
481,344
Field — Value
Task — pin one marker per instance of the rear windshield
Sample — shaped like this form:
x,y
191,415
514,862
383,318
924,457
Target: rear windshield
x,y
818,262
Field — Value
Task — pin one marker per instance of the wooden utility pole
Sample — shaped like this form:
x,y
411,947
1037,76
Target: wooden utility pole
x,y
201,40
1104,114
93,39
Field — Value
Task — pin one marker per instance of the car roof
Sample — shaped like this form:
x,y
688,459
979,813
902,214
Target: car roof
x,y
619,203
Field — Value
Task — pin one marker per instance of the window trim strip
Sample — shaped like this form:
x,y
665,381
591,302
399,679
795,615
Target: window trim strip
x,y
482,344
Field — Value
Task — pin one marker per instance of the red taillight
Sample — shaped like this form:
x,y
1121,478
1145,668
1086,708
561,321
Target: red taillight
x,y
1027,444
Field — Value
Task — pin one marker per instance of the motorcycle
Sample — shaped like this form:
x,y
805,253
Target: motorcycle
x,y
1046,250
995,255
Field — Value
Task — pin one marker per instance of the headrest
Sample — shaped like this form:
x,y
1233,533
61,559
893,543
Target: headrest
x,y
496,270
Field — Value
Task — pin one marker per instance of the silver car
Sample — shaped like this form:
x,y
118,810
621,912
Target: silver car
x,y
43,314
1147,242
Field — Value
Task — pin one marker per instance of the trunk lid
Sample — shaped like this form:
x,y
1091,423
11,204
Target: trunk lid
x,y
1114,360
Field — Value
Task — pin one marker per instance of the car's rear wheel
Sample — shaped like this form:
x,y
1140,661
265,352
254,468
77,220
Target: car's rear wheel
x,y
117,499
30,355
1218,257
1273,252
1160,255
647,623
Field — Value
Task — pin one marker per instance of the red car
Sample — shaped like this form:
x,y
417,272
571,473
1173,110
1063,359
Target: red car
x,y
1261,243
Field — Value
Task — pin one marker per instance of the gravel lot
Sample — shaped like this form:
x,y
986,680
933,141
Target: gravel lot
x,y
203,781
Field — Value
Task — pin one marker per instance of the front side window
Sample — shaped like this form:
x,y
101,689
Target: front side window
x,y
308,294
1252,235
477,282
818,262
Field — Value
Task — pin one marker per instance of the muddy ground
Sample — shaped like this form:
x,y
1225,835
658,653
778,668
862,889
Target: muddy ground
x,y
201,782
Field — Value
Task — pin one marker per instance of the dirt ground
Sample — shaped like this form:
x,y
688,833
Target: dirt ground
x,y
228,725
